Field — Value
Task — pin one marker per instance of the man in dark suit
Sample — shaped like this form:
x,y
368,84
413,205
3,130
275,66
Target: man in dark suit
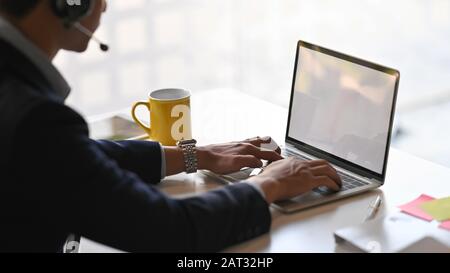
x,y
55,180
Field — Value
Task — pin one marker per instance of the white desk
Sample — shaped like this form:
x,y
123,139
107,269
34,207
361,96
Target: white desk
x,y
224,115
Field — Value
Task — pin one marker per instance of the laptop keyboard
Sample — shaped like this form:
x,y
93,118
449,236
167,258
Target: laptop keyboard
x,y
348,182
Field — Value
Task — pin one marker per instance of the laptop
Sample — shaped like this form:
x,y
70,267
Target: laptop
x,y
341,110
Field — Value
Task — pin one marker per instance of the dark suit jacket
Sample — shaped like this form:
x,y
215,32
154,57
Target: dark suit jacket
x,y
55,180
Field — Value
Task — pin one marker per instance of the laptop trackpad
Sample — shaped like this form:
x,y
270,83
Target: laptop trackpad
x,y
303,199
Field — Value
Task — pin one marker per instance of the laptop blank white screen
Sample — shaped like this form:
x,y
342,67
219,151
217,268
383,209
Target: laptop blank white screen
x,y
342,108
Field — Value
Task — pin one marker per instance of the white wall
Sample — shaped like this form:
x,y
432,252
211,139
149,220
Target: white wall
x,y
250,45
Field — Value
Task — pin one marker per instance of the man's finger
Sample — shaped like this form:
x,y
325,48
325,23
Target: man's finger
x,y
326,181
264,143
326,170
254,140
269,155
264,154
257,141
241,161
319,162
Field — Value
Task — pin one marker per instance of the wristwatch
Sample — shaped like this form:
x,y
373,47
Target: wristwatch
x,y
189,154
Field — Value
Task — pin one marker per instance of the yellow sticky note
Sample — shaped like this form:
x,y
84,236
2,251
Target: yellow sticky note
x,y
439,209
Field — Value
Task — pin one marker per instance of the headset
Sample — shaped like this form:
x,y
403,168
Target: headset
x,y
71,12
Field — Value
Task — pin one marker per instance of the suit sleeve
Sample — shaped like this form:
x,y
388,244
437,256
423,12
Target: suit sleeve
x,y
85,191
140,157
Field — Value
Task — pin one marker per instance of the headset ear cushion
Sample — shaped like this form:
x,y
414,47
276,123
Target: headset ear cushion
x,y
59,8
71,12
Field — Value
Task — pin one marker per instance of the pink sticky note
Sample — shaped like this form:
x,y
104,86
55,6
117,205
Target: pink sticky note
x,y
413,208
445,225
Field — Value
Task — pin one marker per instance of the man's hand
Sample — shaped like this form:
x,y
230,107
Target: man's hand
x,y
291,177
231,157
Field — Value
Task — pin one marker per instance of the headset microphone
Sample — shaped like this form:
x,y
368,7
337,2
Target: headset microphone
x,y
87,32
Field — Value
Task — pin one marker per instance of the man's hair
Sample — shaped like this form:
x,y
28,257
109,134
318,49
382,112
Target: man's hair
x,y
17,8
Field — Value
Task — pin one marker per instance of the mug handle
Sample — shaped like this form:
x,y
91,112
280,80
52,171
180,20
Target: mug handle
x,y
137,120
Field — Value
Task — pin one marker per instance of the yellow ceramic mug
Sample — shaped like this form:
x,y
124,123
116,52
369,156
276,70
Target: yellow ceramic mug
x,y
170,116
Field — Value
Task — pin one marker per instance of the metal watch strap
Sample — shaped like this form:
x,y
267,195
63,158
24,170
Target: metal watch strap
x,y
189,154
